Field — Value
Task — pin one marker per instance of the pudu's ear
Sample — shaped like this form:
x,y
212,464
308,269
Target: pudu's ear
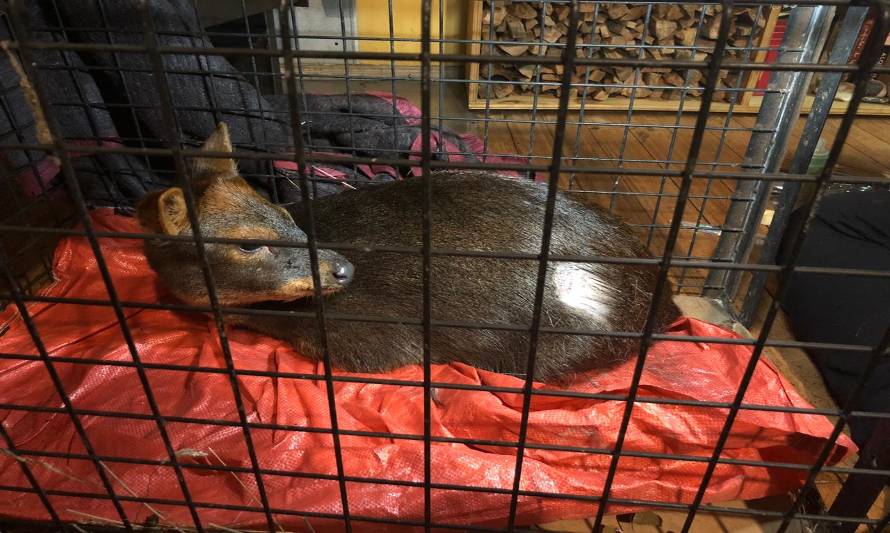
x,y
215,167
164,212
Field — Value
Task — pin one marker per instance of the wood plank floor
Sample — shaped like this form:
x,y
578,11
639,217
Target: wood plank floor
x,y
662,141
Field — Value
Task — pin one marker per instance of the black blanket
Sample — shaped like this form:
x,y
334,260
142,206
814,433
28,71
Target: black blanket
x,y
850,230
112,98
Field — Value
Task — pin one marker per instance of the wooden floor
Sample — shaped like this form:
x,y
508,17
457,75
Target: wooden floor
x,y
653,141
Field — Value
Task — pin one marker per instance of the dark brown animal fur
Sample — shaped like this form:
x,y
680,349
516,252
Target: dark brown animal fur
x,y
471,211
229,208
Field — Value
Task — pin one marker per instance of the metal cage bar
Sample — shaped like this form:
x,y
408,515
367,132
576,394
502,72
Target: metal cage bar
x,y
75,191
686,183
673,177
569,56
296,123
172,139
806,35
866,63
426,247
828,84
32,481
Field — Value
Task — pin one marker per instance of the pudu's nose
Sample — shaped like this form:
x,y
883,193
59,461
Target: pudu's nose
x,y
342,271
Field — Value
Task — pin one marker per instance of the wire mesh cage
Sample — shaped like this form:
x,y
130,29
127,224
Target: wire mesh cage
x,y
125,408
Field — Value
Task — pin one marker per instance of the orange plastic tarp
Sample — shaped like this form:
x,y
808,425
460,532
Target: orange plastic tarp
x,y
674,370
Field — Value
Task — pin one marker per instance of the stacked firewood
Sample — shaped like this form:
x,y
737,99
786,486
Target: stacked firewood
x,y
653,32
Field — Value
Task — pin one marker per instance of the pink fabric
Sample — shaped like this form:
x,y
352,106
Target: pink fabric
x,y
48,168
411,112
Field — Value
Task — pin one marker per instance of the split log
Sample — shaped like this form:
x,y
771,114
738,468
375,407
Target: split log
x,y
662,29
712,28
665,31
523,10
499,13
616,11
672,78
635,13
517,28
685,37
674,13
552,34
514,49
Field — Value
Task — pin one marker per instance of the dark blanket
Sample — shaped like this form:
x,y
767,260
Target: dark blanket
x,y
107,98
78,106
850,230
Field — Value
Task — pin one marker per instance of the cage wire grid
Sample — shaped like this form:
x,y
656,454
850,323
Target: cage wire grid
x,y
678,174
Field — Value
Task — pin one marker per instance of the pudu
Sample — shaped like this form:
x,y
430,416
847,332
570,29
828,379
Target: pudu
x,y
471,211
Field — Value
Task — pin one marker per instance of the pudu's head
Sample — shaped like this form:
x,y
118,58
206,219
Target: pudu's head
x,y
228,207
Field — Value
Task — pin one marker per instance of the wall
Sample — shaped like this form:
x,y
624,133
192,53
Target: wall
x,y
372,20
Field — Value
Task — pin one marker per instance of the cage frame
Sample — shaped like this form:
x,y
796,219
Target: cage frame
x,y
810,13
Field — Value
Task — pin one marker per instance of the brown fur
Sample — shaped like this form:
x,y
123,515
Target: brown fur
x,y
229,208
471,211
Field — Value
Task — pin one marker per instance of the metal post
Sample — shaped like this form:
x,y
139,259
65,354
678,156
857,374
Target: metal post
x,y
805,36
828,84
860,491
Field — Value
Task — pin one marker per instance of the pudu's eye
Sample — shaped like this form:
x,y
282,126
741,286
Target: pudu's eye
x,y
251,248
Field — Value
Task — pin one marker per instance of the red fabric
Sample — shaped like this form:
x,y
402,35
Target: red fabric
x,y
337,175
48,168
674,370
474,145
772,54
403,106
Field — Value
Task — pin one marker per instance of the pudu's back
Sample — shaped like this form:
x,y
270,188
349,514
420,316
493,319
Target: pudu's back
x,y
478,212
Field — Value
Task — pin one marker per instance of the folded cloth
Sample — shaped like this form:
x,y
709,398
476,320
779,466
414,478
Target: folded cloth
x,y
372,125
78,106
204,90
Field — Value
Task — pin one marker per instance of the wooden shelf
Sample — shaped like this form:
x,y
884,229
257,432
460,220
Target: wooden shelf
x,y
749,102
549,103
838,108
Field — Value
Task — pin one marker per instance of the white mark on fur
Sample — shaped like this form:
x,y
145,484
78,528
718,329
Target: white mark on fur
x,y
578,288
